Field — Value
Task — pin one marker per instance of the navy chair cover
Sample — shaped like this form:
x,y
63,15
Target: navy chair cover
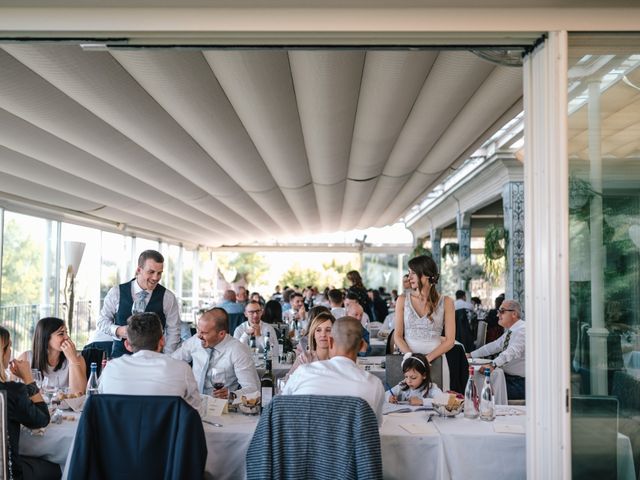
x,y
315,437
138,437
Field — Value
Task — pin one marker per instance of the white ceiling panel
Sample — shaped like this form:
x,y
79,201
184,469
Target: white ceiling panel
x,y
230,146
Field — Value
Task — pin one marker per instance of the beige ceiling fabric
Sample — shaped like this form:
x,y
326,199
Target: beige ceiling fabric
x,y
228,147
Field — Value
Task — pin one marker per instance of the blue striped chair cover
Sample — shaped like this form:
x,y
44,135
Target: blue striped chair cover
x,y
315,437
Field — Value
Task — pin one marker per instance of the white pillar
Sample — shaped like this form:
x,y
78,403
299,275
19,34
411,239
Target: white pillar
x,y
597,333
463,229
513,206
436,246
546,254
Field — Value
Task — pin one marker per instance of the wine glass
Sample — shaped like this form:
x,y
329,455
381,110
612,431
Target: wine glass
x,y
217,379
37,377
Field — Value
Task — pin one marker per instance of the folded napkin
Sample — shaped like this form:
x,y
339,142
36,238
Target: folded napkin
x,y
506,428
420,428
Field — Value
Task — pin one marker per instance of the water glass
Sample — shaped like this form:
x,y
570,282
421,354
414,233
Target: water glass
x,y
49,388
37,377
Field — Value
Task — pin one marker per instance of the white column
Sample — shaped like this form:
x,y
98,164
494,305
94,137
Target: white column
x,y
195,278
436,246
513,206
597,333
463,229
178,274
546,249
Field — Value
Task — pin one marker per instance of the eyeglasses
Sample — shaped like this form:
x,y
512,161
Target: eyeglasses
x,y
502,310
253,312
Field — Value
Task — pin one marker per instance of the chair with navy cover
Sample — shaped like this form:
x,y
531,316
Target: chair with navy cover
x,y
315,437
138,437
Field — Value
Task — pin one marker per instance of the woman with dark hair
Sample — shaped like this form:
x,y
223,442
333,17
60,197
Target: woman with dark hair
x,y
55,355
422,315
25,406
358,290
272,313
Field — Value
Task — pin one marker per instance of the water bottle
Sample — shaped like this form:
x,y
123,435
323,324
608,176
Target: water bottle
x,y
487,407
92,384
471,401
267,347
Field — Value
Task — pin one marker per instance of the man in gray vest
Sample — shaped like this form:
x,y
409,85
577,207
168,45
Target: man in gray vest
x,y
142,294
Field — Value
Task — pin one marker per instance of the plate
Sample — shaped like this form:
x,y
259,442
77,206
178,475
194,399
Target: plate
x,y
479,361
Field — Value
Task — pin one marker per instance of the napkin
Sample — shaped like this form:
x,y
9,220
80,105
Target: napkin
x,y
507,428
74,404
419,428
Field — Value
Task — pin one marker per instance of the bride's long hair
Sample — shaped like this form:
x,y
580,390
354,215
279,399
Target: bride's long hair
x,y
427,271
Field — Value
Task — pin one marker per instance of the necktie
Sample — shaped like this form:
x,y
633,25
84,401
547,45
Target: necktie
x,y
205,371
506,340
139,305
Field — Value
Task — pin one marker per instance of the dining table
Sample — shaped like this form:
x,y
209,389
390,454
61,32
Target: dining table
x,y
414,444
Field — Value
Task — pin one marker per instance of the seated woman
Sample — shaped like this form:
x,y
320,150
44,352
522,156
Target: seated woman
x,y
422,315
54,354
24,406
318,342
417,387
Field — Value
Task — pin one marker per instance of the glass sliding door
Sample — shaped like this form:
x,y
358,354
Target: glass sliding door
x,y
604,254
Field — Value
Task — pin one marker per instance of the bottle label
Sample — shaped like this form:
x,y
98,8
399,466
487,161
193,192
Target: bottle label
x,y
267,394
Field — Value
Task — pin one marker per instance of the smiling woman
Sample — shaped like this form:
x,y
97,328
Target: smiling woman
x,y
55,356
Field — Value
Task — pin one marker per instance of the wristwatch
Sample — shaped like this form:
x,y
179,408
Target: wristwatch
x,y
32,389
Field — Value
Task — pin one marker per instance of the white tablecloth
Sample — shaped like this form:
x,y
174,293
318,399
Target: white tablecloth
x,y
456,448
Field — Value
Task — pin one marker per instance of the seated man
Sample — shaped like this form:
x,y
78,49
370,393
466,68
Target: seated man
x,y
339,375
510,349
356,311
229,303
213,350
147,371
255,327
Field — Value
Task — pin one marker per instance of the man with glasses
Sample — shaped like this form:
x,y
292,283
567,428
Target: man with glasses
x,y
255,327
509,349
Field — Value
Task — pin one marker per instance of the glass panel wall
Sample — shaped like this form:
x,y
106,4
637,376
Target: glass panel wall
x,y
29,275
604,223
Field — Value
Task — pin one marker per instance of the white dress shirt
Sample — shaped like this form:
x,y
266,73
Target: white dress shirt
x,y
338,312
230,356
150,373
462,304
106,322
512,359
242,335
337,376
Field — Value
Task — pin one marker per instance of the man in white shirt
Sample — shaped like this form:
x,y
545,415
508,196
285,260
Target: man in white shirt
x,y
255,327
142,294
147,371
350,300
336,297
510,349
461,301
297,313
218,357
339,375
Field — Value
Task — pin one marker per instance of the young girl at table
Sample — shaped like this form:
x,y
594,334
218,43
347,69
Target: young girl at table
x,y
417,387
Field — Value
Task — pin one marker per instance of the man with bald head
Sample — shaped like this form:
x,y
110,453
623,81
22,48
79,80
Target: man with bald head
x,y
219,358
509,348
339,375
356,311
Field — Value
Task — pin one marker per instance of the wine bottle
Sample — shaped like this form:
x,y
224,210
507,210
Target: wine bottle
x,y
92,384
267,381
471,401
487,405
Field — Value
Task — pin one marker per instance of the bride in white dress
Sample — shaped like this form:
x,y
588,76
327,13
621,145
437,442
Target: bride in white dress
x,y
422,314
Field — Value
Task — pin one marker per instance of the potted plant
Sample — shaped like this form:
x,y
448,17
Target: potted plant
x,y
450,250
495,243
420,249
